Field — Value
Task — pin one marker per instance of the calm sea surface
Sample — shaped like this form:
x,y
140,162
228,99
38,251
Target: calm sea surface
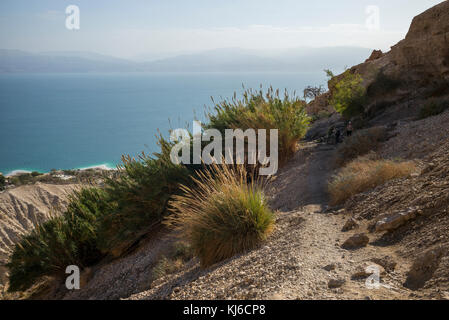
x,y
65,121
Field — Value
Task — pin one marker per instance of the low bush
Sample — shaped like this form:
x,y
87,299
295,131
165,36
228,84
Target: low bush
x,y
141,192
61,241
348,95
360,143
264,111
222,215
433,108
2,182
363,174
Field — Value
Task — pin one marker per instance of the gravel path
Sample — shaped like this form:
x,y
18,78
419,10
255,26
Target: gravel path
x,y
303,256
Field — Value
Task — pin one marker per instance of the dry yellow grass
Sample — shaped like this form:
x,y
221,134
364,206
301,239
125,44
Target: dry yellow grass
x,y
224,214
363,174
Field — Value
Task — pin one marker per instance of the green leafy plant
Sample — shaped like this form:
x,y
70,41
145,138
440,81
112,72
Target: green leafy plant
x,y
61,241
2,182
348,95
141,192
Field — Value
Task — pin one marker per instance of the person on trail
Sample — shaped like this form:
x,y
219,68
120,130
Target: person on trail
x,y
349,129
337,136
330,134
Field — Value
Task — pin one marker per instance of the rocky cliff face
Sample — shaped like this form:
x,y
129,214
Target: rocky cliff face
x,y
419,65
24,207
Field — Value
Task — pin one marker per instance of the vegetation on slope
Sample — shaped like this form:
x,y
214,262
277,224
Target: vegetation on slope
x,y
107,221
259,110
348,95
70,239
222,214
363,174
362,142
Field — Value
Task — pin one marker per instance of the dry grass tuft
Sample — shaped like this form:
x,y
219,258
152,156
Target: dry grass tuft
x,y
360,143
224,214
364,174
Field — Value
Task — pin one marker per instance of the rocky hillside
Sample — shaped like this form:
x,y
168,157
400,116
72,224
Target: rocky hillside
x,y
401,227
22,208
416,68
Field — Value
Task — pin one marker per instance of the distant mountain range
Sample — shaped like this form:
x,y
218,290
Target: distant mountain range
x,y
218,60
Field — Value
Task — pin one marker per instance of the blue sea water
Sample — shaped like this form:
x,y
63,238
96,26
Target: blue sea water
x,y
65,121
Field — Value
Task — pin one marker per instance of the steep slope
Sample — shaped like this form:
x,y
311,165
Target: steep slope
x,y
415,69
303,259
24,207
414,212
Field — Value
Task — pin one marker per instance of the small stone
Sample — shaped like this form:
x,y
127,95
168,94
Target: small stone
x,y
366,269
356,241
387,262
330,267
349,225
336,283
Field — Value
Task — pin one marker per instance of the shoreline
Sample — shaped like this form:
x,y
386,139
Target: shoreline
x,y
104,166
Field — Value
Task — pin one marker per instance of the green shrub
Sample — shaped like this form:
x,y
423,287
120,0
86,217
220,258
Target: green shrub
x,y
35,174
222,215
141,192
22,179
2,182
61,241
348,95
360,143
433,108
264,111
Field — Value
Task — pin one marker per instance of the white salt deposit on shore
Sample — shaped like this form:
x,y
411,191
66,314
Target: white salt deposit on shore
x,y
16,172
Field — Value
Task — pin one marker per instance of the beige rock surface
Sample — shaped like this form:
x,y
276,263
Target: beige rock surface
x,y
22,208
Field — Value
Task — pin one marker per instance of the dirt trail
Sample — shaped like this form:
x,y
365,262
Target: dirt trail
x,y
291,264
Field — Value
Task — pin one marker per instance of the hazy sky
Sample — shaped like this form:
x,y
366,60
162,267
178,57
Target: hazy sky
x,y
133,28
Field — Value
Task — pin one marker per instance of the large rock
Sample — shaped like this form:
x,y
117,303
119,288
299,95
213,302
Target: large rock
x,y
395,220
424,267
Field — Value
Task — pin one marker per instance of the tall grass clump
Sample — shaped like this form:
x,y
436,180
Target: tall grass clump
x,y
259,110
364,174
141,193
360,143
61,241
222,215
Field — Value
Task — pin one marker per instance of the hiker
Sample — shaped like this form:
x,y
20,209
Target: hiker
x,y
349,129
337,136
330,133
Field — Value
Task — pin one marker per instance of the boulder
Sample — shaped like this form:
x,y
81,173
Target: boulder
x,y
395,220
